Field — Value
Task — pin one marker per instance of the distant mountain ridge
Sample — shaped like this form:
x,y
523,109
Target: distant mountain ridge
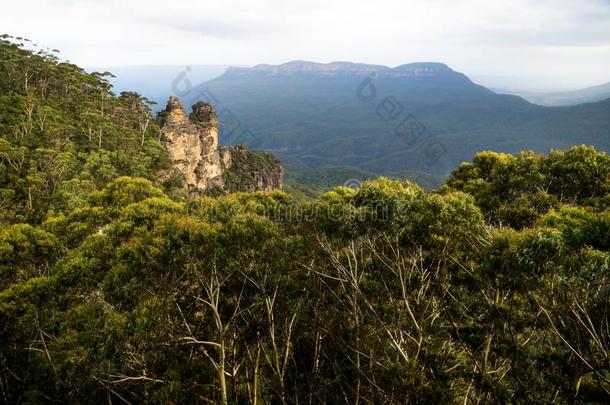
x,y
415,118
568,98
418,69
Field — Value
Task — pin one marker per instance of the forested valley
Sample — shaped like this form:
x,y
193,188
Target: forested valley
x,y
116,286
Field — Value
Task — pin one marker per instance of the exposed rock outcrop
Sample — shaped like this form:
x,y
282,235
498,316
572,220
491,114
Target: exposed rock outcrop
x,y
192,143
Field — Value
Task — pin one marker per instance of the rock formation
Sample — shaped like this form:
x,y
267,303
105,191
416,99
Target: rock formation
x,y
192,143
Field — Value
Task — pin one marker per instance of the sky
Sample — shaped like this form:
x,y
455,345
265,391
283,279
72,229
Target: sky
x,y
537,45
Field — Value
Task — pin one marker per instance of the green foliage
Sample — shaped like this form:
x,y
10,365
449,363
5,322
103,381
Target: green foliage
x,y
517,190
388,293
124,191
25,252
248,168
61,127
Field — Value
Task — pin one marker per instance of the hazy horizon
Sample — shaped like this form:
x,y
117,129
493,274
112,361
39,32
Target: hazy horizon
x,y
543,84
536,45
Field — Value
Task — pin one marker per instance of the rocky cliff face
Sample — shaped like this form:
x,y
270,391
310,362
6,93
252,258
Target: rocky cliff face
x,y
192,143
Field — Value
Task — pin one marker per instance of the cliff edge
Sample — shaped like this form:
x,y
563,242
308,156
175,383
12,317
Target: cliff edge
x,y
192,143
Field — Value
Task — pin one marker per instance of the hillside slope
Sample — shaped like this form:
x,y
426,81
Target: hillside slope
x,y
423,117
64,134
568,98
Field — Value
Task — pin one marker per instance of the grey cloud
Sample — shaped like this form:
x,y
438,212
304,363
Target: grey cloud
x,y
551,36
225,27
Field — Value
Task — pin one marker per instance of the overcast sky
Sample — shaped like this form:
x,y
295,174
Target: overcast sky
x,y
535,44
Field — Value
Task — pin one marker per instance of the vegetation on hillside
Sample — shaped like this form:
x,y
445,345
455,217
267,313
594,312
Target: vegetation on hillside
x,y
516,190
388,295
63,133
249,169
407,125
493,289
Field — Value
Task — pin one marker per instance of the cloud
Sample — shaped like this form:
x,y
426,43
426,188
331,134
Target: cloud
x,y
220,27
561,23
569,38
